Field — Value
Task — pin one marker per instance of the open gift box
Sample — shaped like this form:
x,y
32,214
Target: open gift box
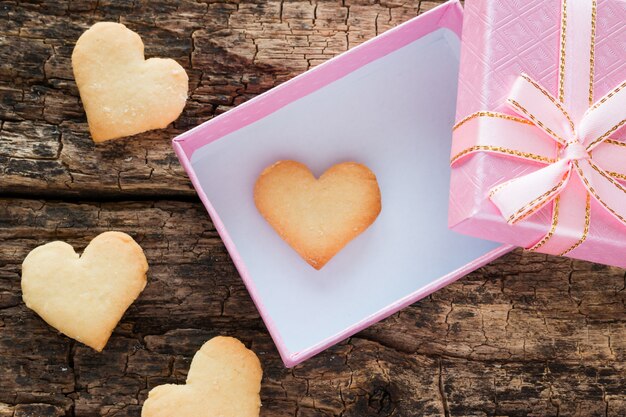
x,y
388,103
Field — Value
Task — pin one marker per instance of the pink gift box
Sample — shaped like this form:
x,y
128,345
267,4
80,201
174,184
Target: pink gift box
x,y
388,103
501,40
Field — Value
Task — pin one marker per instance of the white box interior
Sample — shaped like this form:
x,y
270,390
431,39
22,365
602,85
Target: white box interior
x,y
395,115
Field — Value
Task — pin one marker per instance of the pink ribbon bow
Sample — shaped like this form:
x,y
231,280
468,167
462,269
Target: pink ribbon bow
x,y
520,197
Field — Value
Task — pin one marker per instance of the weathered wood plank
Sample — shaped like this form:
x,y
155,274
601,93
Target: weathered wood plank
x,y
231,50
525,335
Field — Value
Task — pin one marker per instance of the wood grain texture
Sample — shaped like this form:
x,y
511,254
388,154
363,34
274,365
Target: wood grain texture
x,y
527,335
231,50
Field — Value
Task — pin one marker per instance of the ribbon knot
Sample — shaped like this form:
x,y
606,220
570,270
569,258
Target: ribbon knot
x,y
574,151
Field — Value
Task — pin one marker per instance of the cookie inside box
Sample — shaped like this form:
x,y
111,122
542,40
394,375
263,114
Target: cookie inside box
x,y
393,114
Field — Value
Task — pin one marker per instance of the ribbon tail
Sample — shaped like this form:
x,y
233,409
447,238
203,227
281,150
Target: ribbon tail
x,y
501,134
603,188
571,216
523,196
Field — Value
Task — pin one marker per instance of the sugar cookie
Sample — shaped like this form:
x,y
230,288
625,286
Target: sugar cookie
x,y
224,380
318,217
85,296
122,92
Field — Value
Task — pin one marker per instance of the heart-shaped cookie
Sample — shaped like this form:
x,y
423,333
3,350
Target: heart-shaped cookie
x,y
122,92
84,297
318,217
224,380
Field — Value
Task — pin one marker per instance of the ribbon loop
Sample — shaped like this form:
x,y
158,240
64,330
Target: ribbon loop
x,y
533,102
610,155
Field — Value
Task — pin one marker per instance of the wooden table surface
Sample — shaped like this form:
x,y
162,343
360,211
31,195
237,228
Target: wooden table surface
x,y
526,335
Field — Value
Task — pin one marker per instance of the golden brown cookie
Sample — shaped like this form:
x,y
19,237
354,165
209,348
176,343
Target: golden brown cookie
x,y
318,217
85,296
122,92
224,380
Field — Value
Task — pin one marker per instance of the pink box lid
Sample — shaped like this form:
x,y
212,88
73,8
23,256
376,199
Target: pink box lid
x,y
501,40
